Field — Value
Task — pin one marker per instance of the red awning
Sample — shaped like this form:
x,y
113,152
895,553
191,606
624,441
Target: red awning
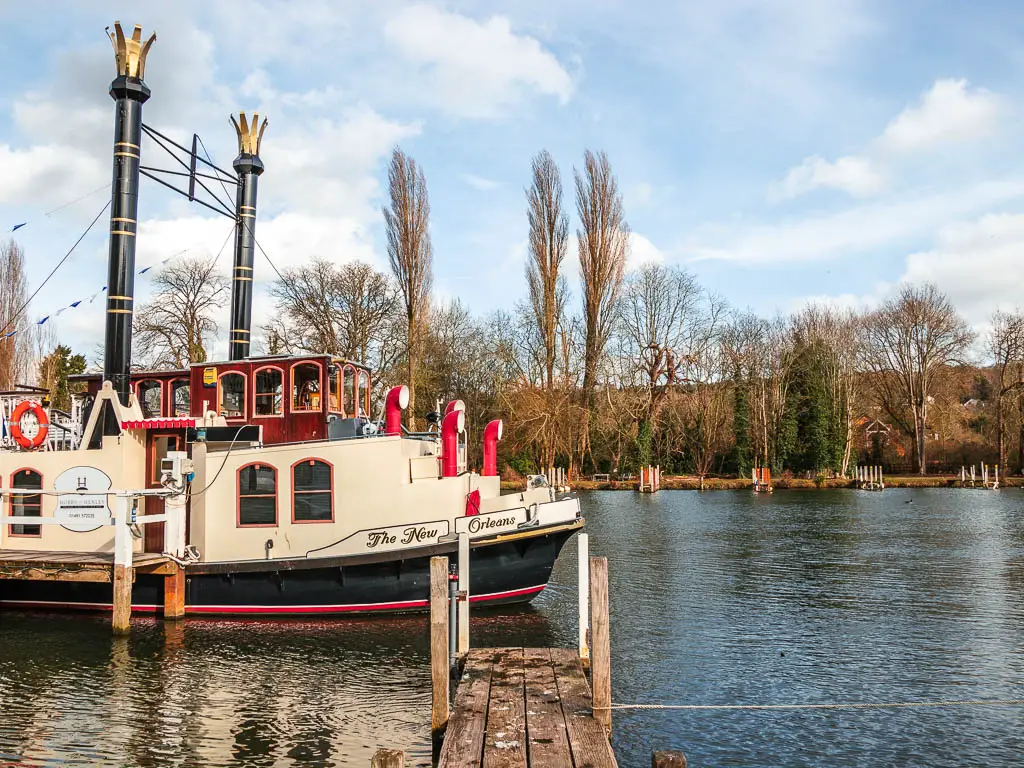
x,y
179,423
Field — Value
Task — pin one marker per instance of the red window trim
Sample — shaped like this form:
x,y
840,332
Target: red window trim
x,y
320,381
329,491
10,507
171,406
238,496
255,394
337,377
245,395
355,391
138,395
365,393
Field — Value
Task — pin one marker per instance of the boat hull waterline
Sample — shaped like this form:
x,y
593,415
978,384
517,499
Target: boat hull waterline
x,y
503,571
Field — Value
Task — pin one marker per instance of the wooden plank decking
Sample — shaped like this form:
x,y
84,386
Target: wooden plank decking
x,y
524,707
31,565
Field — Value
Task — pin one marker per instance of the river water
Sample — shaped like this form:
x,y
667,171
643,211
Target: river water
x,y
716,598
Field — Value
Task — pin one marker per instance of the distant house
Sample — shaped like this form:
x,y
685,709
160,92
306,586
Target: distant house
x,y
974,404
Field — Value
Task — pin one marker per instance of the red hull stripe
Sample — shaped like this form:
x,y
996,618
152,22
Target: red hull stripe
x,y
274,609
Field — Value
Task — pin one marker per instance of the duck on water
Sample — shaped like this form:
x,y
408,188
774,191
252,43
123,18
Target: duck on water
x,y
300,502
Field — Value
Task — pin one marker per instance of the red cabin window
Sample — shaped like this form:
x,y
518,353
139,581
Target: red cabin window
x,y
364,394
181,397
349,390
150,393
269,392
231,395
334,395
29,505
257,496
312,492
305,387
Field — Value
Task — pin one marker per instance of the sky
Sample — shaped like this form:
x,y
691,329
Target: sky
x,y
784,152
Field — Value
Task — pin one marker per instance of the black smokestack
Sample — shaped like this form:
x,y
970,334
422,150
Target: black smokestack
x,y
129,92
249,167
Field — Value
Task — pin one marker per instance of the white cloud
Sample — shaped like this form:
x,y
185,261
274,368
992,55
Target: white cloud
x,y
855,230
479,182
854,175
475,69
642,251
949,112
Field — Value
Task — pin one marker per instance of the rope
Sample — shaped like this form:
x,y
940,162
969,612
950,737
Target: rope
x,y
855,705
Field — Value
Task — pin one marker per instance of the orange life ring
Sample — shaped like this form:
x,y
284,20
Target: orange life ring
x,y
29,444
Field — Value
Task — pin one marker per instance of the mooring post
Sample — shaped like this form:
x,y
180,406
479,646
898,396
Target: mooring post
x,y
463,593
388,758
600,642
583,544
174,594
440,672
668,759
122,597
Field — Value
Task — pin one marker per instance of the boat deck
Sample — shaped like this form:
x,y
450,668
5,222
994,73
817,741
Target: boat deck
x,y
33,565
524,707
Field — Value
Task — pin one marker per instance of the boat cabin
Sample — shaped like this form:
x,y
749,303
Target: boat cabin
x,y
292,397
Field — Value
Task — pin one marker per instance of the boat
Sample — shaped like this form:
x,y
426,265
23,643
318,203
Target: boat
x,y
298,501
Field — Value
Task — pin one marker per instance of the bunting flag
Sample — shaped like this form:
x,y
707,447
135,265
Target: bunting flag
x,y
16,227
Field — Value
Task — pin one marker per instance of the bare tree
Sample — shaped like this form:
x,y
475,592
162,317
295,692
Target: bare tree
x,y
176,326
16,337
603,241
549,242
908,341
1006,350
409,251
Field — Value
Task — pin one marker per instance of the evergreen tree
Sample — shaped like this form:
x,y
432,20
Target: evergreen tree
x,y
54,370
742,458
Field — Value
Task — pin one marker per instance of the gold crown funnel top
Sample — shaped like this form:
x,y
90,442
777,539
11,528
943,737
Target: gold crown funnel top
x,y
249,137
130,52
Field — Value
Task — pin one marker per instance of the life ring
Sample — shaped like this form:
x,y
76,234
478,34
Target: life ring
x,y
29,444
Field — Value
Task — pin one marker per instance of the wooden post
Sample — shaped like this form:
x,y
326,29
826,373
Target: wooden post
x,y
174,594
668,759
122,598
388,758
439,652
463,594
583,543
600,642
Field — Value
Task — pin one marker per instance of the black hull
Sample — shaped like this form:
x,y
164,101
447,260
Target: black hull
x,y
501,572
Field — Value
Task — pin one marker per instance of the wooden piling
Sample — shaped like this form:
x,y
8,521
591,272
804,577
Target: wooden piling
x,y
583,544
122,617
174,594
463,594
668,759
388,758
439,651
600,642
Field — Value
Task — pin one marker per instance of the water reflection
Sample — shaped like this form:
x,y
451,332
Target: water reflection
x,y
716,598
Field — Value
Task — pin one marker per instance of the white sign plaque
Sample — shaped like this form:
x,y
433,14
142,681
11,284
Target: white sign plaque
x,y
83,512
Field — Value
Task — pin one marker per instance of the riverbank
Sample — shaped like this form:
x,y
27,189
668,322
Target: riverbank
x,y
693,483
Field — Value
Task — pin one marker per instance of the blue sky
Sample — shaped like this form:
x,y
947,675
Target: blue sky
x,y
784,152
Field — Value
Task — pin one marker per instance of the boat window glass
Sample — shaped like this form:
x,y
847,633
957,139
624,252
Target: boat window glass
x,y
231,398
269,392
181,397
334,380
306,387
257,495
26,506
350,391
364,393
311,492
150,393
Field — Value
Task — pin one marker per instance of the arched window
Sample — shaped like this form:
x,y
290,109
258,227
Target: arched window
x,y
350,391
257,495
28,505
231,395
181,397
334,388
364,393
269,392
312,497
306,387
150,392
